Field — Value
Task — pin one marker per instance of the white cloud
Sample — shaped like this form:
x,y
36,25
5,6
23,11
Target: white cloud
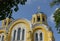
x,y
30,1
51,18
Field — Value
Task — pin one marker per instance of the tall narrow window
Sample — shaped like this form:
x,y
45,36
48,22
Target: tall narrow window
x,y
23,32
5,22
38,18
18,35
43,19
41,37
14,35
36,36
3,38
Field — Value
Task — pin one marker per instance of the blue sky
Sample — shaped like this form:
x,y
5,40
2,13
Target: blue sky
x,y
30,8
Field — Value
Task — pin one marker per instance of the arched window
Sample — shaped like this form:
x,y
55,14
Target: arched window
x,y
2,37
14,35
36,36
41,38
38,18
18,35
23,33
43,19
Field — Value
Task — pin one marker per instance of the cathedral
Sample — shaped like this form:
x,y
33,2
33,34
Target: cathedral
x,y
37,29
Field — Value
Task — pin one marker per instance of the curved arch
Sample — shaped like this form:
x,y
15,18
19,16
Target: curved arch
x,y
43,29
2,32
43,25
40,27
24,21
2,36
38,35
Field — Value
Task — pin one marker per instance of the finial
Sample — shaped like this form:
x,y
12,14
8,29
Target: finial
x,y
38,9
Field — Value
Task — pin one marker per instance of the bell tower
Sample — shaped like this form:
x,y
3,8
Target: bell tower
x,y
39,17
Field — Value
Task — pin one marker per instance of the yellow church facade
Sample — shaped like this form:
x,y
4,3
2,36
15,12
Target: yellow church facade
x,y
24,30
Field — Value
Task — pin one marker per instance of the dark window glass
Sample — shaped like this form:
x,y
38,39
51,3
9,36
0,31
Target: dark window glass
x,y
38,18
23,32
5,23
40,36
14,35
2,38
43,19
36,36
18,35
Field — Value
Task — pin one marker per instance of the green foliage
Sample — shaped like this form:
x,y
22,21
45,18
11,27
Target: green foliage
x,y
7,5
55,2
57,19
56,14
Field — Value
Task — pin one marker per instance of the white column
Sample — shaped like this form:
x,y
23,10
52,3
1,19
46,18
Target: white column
x,y
38,36
21,34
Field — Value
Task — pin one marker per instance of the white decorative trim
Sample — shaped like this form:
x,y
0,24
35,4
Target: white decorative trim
x,y
21,34
45,26
25,35
2,34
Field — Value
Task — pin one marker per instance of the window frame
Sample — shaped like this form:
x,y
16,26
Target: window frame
x,y
23,32
38,32
36,37
2,34
20,33
2,38
12,35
